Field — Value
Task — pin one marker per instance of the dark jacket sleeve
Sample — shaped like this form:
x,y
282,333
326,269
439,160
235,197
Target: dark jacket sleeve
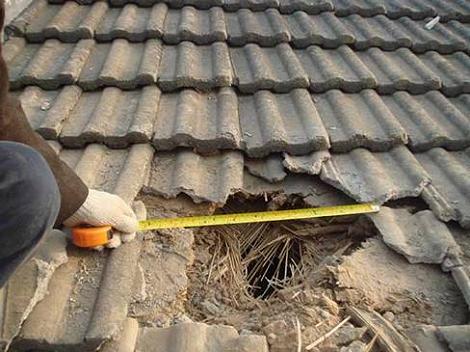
x,y
14,127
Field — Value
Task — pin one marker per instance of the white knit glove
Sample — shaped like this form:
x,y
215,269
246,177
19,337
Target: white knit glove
x,y
102,208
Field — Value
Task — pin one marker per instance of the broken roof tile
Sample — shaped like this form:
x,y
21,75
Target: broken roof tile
x,y
335,69
277,68
420,237
457,337
269,168
28,285
267,28
205,121
281,123
449,192
202,67
306,164
400,70
376,177
452,69
198,26
203,178
358,120
89,311
198,337
432,120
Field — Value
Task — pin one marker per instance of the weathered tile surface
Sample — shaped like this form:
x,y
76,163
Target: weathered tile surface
x,y
336,69
431,120
400,70
72,22
203,67
448,195
111,116
269,168
278,68
420,237
120,63
359,120
281,122
198,26
267,28
376,177
88,296
29,285
210,178
198,337
205,121
306,164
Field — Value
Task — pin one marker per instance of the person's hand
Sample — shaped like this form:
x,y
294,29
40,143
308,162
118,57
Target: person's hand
x,y
102,208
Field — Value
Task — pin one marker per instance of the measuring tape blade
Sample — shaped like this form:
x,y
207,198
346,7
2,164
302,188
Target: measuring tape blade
x,y
264,216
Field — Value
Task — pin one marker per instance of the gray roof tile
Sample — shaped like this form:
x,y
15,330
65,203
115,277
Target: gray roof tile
x,y
324,29
281,122
210,178
266,28
420,237
90,292
258,124
198,26
431,120
376,177
336,69
202,67
449,192
459,9
453,70
256,5
311,7
117,118
269,168
121,63
359,120
72,22
28,285
205,121
198,337
132,22
400,70
306,164
111,116
259,68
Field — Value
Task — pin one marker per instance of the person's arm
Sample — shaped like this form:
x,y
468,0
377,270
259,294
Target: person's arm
x,y
79,205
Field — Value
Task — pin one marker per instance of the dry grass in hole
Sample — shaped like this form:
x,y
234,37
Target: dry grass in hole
x,y
257,260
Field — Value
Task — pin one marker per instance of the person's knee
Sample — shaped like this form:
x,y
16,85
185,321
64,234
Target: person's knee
x,y
29,194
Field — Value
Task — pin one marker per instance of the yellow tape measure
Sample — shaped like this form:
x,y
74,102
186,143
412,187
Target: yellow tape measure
x,y
263,216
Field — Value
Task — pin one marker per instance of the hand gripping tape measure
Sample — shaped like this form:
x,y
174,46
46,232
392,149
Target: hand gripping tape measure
x,y
89,237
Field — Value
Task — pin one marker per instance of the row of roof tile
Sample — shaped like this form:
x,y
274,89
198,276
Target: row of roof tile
x,y
251,68
457,9
71,22
258,124
439,176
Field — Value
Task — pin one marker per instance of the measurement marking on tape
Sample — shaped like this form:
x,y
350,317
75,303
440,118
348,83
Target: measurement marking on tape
x,y
264,216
